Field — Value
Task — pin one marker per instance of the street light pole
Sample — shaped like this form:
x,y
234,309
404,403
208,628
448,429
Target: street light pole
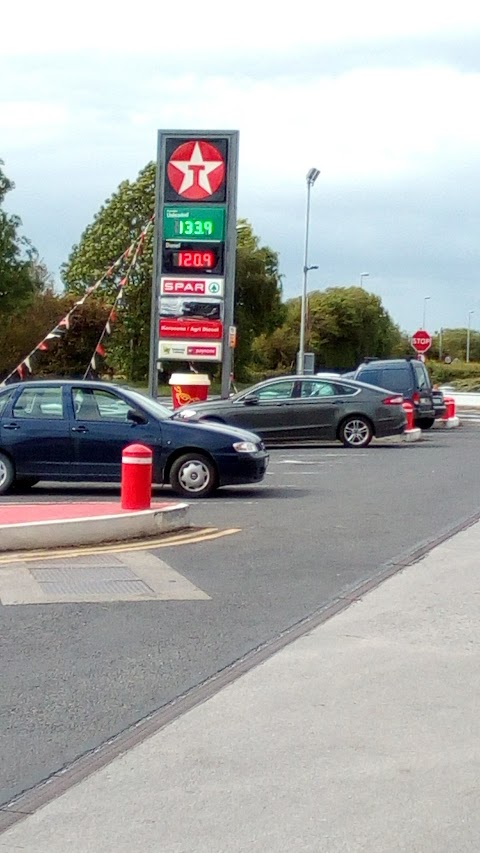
x,y
468,336
362,276
312,176
425,300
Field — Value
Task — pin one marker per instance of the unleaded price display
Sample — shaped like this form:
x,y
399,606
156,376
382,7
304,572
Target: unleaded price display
x,y
195,223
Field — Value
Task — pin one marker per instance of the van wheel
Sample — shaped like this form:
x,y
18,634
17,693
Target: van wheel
x,y
7,474
425,423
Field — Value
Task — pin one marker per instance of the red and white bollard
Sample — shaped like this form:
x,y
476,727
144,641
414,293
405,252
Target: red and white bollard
x,y
408,409
136,491
411,432
449,418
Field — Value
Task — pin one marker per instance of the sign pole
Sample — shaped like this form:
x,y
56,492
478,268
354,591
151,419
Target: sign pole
x,y
154,311
230,260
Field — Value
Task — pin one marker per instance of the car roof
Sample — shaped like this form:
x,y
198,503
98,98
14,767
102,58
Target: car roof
x,y
83,383
381,362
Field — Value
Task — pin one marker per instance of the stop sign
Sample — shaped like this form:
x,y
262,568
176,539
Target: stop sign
x,y
421,341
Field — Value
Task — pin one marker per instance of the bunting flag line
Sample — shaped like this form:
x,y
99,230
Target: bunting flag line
x,y
135,248
99,351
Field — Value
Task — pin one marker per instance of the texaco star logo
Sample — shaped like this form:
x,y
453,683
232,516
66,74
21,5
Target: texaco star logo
x,y
196,170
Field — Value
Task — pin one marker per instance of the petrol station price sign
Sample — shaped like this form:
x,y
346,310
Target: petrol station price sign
x,y
195,235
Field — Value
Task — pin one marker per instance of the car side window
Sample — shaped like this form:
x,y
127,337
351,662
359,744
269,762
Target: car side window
x,y
276,391
92,404
5,399
42,403
315,388
343,390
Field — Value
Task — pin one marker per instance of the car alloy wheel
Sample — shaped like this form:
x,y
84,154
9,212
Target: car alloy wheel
x,y
356,432
193,475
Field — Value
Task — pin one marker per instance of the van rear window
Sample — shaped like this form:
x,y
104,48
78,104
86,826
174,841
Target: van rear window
x,y
423,379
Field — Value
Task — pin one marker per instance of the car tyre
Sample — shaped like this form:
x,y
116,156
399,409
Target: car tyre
x,y
426,423
356,431
7,474
193,475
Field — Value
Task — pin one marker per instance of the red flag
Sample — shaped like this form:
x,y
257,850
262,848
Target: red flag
x,y
99,349
43,346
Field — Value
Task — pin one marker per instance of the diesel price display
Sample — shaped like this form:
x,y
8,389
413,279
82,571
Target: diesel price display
x,y
190,256
194,223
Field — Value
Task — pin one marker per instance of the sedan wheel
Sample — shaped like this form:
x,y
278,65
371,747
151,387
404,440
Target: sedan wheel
x,y
356,432
7,474
193,475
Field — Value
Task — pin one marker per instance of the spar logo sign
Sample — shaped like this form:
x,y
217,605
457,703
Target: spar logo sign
x,y
196,170
421,341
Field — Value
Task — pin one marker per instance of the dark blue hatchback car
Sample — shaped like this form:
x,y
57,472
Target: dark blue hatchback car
x,y
76,431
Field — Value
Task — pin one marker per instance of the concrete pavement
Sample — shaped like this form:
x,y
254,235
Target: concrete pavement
x,y
362,736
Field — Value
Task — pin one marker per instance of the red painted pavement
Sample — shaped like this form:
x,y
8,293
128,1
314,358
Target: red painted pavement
x,y
28,513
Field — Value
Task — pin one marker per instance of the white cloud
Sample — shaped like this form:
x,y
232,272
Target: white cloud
x,y
381,100
178,30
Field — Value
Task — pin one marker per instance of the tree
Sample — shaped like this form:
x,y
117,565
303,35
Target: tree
x,y
344,324
258,294
18,281
117,224
68,356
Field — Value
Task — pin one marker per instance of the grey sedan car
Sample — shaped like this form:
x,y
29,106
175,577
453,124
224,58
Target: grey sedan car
x,y
308,408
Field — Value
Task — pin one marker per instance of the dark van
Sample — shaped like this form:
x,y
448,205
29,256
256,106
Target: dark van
x,y
407,376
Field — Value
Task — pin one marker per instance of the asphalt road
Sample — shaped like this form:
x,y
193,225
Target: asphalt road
x,y
326,518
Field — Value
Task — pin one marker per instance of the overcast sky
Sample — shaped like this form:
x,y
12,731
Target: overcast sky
x,y
383,98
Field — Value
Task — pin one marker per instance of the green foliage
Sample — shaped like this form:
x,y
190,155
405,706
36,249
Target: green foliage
x,y
70,356
117,224
454,344
19,262
344,324
464,377
258,295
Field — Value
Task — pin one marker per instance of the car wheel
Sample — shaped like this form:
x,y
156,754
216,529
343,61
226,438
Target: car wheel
x,y
356,432
7,474
426,423
193,475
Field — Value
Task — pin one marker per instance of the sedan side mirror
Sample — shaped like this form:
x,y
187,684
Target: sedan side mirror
x,y
251,400
136,417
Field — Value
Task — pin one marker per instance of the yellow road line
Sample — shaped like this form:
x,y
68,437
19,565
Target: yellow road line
x,y
187,537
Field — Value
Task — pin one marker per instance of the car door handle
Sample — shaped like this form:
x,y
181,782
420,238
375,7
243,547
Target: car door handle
x,y
80,429
11,426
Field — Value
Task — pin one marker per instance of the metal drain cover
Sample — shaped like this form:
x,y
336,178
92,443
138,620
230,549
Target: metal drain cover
x,y
82,561
106,580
